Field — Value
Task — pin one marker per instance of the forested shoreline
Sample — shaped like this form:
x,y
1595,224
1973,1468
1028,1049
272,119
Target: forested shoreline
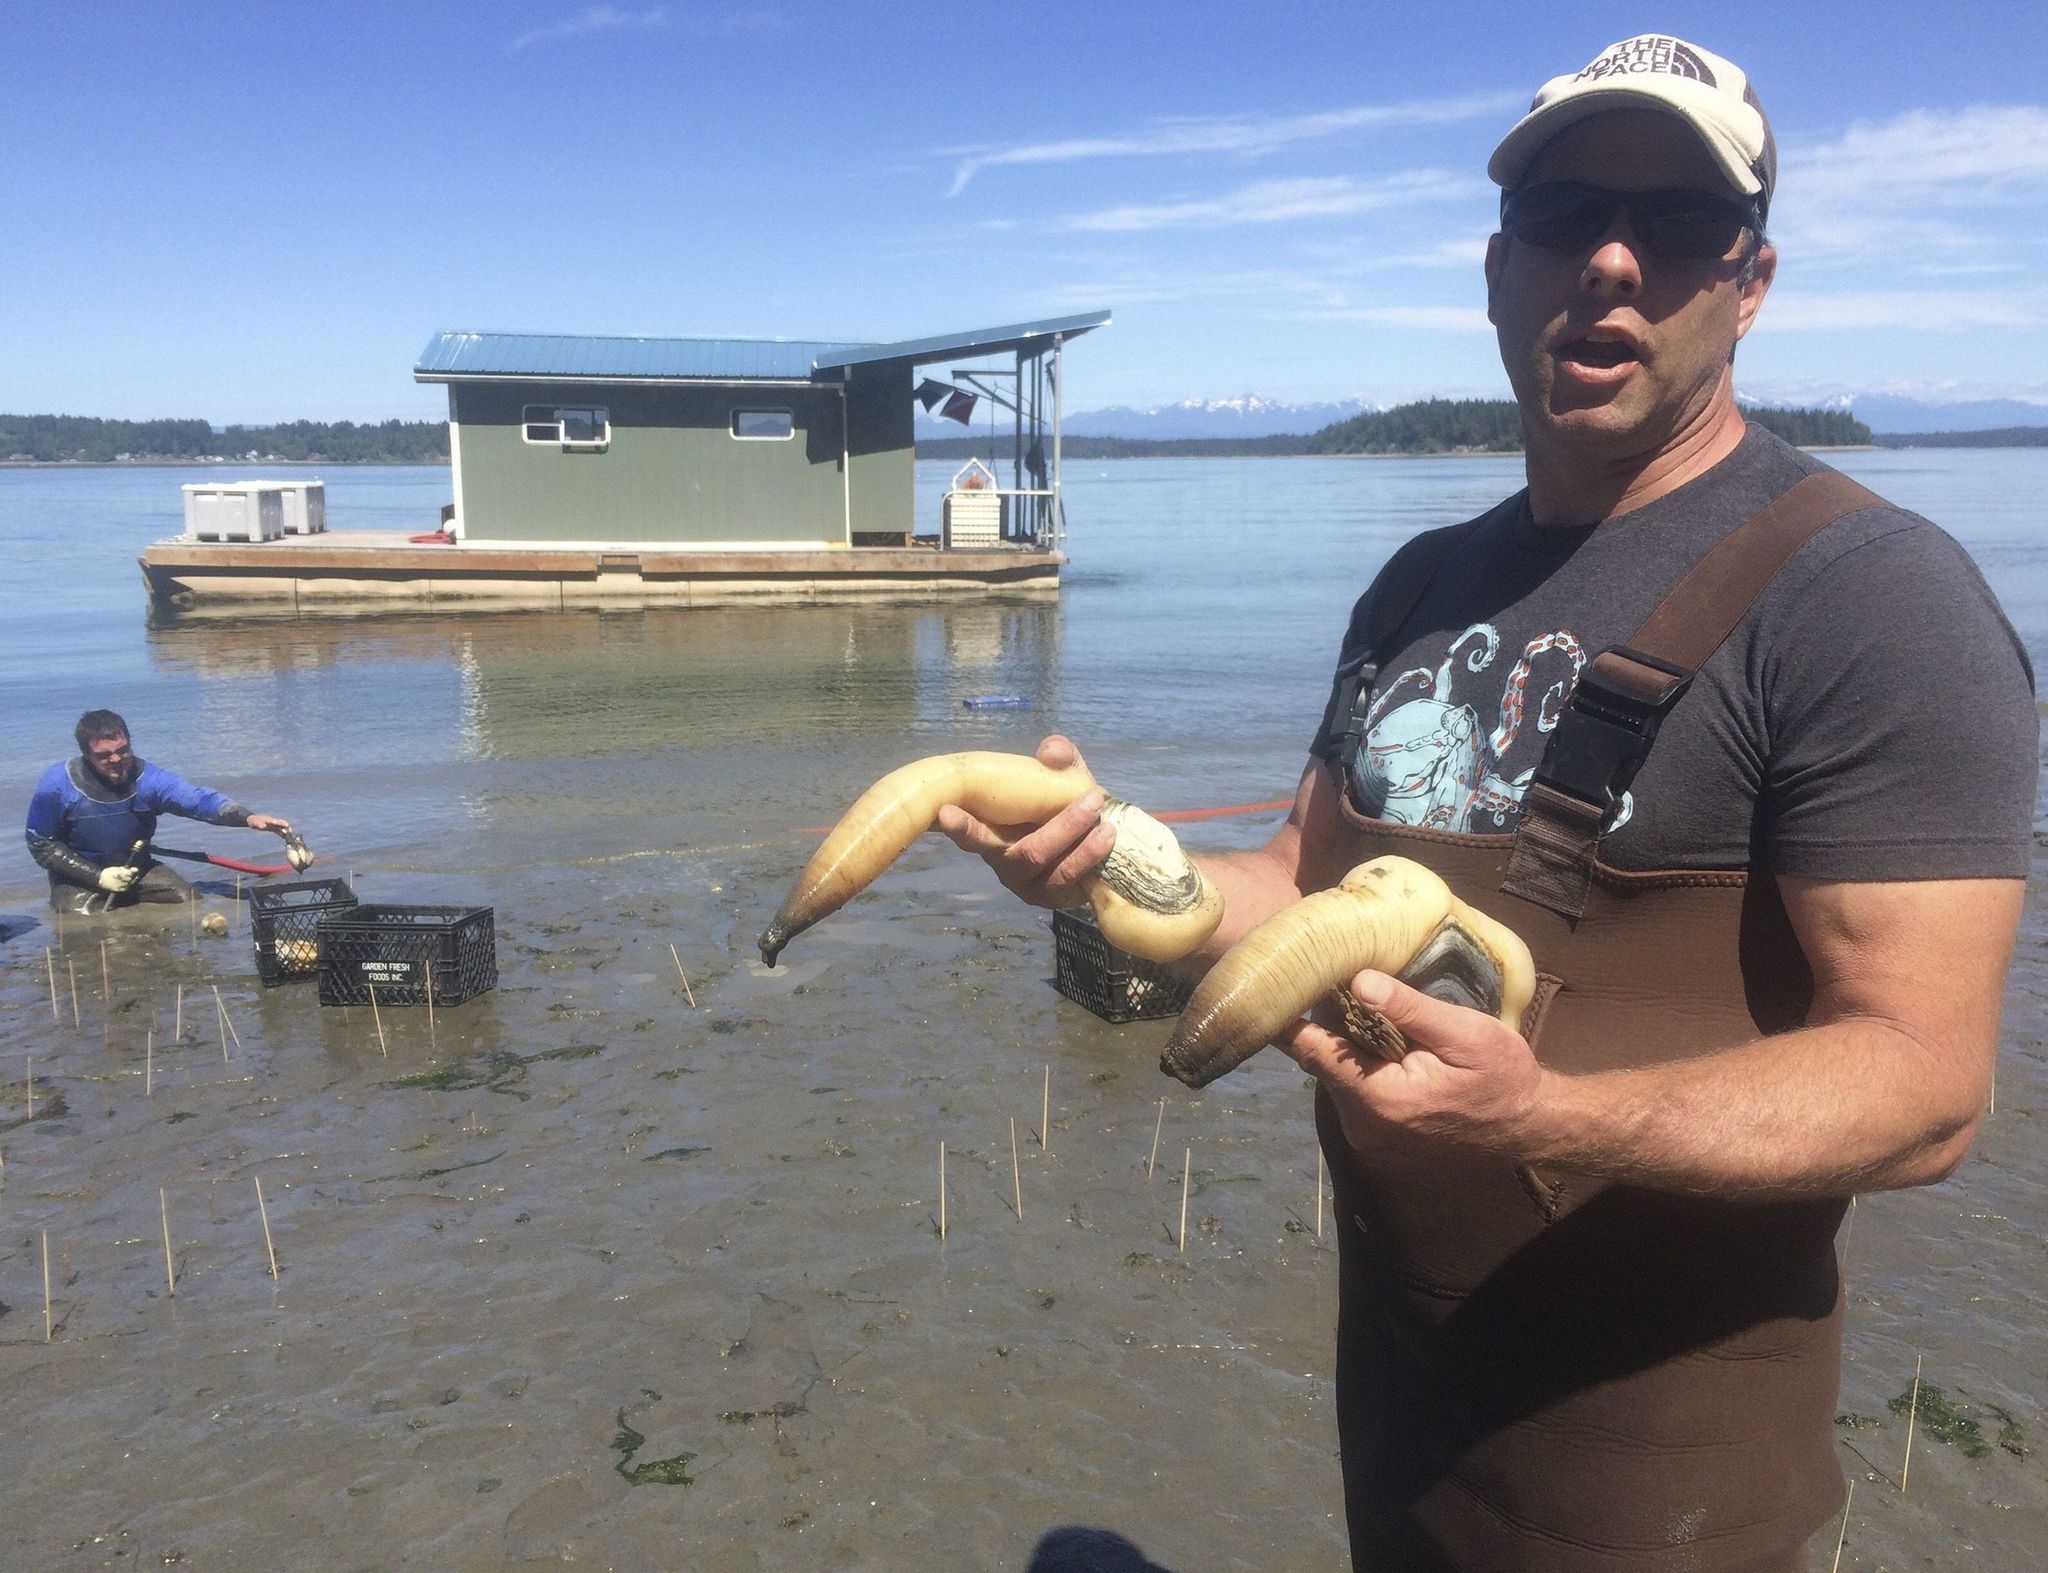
x,y
88,439
1428,426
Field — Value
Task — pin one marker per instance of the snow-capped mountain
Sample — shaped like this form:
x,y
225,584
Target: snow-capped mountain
x,y
1248,415
1900,412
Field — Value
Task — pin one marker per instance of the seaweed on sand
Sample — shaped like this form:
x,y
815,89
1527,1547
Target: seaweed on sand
x,y
1946,1421
656,1471
494,1070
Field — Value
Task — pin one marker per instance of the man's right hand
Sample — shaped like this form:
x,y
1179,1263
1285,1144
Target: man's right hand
x,y
1045,863
117,879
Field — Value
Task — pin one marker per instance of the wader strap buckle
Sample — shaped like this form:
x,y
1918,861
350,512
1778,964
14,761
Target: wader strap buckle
x,y
1625,693
1600,743
1606,731
1355,680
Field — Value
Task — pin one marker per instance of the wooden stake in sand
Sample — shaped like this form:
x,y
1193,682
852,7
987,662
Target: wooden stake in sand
x,y
46,1286
226,1020
433,1037
106,978
1912,1414
71,967
149,1065
377,1016
220,1021
269,1249
192,901
178,1017
1045,1113
1157,1126
1187,1167
29,1076
1319,1190
942,1190
170,1272
1847,1503
1016,1179
684,976
50,962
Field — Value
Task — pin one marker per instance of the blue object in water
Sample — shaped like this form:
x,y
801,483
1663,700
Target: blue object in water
x,y
997,702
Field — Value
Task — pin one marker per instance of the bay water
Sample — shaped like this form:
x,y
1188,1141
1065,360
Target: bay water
x,y
582,1208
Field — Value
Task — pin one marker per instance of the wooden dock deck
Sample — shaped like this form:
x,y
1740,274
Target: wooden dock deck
x,y
346,571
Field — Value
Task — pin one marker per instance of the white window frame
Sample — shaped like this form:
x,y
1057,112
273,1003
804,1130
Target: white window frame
x,y
561,438
732,425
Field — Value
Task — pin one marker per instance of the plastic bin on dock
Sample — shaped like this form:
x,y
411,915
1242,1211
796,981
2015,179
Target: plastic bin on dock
x,y
305,506
235,511
285,920
396,950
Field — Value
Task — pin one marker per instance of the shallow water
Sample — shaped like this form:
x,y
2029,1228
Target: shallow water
x,y
715,1228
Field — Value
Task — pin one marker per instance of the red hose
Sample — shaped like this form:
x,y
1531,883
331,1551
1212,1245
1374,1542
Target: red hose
x,y
1173,816
226,862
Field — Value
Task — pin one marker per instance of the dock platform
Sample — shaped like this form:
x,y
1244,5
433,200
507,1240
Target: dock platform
x,y
344,571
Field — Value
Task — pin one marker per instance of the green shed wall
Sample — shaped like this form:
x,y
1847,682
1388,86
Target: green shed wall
x,y
674,473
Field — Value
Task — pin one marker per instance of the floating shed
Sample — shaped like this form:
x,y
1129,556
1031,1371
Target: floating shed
x,y
593,470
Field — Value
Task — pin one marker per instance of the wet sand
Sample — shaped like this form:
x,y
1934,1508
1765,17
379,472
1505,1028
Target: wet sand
x,y
587,1275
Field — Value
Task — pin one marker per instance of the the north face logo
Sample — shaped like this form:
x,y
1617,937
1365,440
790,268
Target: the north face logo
x,y
1640,56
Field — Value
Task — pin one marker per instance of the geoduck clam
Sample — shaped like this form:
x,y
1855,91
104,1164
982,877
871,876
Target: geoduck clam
x,y
1147,897
1389,915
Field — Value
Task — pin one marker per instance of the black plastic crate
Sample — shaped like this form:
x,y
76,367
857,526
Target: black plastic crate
x,y
1113,983
396,949
285,920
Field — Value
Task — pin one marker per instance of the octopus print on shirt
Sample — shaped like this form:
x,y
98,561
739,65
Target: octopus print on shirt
x,y
1428,759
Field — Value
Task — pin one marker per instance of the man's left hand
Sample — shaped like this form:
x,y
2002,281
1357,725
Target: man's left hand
x,y
1465,1076
271,823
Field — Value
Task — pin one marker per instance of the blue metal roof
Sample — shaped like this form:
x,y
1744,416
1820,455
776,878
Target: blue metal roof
x,y
452,357
574,356
975,341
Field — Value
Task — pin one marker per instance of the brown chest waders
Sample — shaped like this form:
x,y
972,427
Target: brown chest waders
x,y
1545,1371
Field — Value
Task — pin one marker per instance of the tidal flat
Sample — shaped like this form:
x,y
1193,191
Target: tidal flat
x,y
584,1274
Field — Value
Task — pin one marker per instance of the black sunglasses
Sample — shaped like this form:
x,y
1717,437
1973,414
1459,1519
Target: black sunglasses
x,y
1564,215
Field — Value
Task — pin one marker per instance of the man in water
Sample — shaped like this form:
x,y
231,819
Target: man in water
x,y
89,815
1765,825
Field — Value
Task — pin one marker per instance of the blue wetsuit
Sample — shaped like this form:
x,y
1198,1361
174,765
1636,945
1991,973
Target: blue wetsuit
x,y
78,825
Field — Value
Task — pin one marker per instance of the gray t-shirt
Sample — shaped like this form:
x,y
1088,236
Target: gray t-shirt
x,y
1872,718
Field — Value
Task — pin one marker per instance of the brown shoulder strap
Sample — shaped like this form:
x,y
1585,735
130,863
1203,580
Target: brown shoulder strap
x,y
1624,693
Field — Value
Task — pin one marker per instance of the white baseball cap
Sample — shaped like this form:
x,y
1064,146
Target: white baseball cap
x,y
1654,71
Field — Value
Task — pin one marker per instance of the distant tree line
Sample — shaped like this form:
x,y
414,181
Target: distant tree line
x,y
1430,426
1999,437
85,439
1433,426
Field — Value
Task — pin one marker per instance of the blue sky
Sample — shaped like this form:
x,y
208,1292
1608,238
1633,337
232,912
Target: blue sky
x,y
263,211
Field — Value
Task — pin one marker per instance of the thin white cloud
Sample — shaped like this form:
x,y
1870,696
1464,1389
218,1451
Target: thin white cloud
x,y
1467,253
594,19
1964,153
1924,311
1433,319
1244,136
1920,184
654,19
1141,288
1278,201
